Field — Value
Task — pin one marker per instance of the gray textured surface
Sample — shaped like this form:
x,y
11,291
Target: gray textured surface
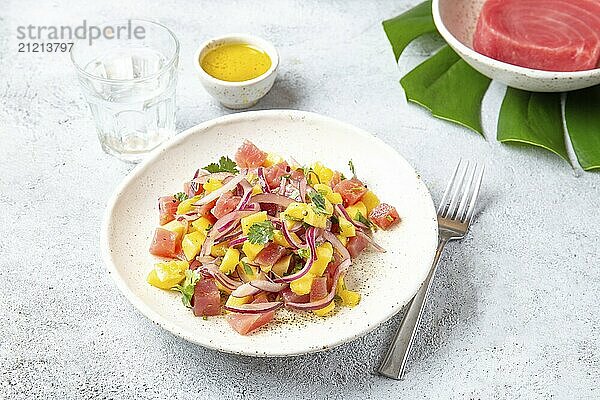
x,y
514,313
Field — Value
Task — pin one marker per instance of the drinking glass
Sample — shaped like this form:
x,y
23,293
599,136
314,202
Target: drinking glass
x,y
129,83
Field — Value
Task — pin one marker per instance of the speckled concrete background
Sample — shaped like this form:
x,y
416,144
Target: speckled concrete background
x,y
514,313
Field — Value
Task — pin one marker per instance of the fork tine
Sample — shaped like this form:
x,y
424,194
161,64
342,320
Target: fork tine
x,y
448,189
471,210
464,201
456,192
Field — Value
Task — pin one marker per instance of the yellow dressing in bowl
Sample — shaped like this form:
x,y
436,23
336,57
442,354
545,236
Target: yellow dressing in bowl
x,y
235,62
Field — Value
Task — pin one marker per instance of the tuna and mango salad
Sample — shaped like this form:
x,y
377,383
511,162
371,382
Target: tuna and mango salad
x,y
248,237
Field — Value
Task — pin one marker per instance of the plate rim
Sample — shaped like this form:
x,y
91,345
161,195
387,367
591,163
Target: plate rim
x,y
164,323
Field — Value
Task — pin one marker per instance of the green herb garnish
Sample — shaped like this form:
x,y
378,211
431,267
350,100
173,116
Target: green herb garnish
x,y
225,164
303,252
308,171
187,289
351,165
297,268
247,269
361,218
318,201
180,196
261,232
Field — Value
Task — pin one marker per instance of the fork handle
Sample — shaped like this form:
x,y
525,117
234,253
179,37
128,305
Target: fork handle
x,y
395,359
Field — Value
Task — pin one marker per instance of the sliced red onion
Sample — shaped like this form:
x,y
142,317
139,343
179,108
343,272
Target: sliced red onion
x,y
238,241
335,242
223,223
244,290
194,188
206,260
370,240
217,175
192,216
341,210
223,279
310,239
196,174
282,184
255,308
296,227
288,237
272,199
269,286
225,188
260,172
252,207
246,195
303,187
324,302
229,236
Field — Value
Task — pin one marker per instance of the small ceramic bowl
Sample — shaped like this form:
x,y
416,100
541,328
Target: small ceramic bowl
x,y
244,94
456,21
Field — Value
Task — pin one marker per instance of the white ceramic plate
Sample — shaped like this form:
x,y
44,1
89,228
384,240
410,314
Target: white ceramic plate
x,y
385,281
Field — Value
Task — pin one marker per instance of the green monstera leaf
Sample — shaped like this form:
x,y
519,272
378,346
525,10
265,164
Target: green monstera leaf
x,y
438,85
582,115
532,118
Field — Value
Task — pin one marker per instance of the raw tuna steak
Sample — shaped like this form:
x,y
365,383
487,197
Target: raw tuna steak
x,y
551,35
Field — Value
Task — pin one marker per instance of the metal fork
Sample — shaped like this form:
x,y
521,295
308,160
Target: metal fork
x,y
455,214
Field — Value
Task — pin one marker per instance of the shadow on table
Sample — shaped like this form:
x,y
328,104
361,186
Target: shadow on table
x,y
285,94
348,369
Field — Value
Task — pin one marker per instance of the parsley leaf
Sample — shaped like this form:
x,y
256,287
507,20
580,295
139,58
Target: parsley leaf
x,y
180,196
363,219
318,201
187,289
261,232
225,164
351,165
247,268
303,252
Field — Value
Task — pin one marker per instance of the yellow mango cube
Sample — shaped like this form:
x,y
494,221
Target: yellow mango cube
x,y
230,260
280,239
347,229
370,201
192,243
322,312
296,211
349,297
165,275
325,174
186,205
324,256
175,226
342,239
256,189
328,193
222,288
272,159
315,219
238,301
218,250
251,250
248,221
282,266
302,285
355,209
202,224
211,185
